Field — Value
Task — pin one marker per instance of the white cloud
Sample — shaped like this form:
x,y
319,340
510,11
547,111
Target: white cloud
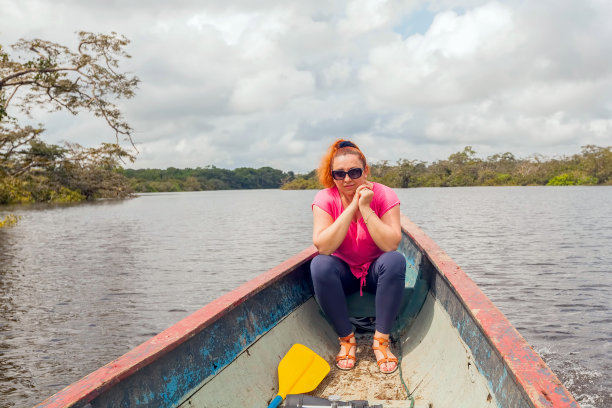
x,y
270,89
363,16
247,83
231,27
442,66
337,74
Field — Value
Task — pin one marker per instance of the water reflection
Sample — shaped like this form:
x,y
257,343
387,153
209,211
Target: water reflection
x,y
15,379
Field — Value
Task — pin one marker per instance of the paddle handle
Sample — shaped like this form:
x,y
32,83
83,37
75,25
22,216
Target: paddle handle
x,y
276,402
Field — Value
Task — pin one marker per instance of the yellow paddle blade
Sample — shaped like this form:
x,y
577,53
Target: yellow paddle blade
x,y
300,371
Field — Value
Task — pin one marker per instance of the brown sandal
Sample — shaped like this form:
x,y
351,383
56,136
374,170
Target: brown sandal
x,y
345,342
383,346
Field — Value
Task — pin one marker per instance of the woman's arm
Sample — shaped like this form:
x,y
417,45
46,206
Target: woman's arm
x,y
327,234
386,231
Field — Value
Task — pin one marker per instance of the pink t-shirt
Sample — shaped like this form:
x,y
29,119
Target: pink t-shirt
x,y
358,249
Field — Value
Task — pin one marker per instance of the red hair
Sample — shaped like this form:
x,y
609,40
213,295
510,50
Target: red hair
x,y
325,168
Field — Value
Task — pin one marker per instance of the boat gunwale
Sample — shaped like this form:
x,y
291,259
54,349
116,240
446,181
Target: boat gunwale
x,y
540,385
94,384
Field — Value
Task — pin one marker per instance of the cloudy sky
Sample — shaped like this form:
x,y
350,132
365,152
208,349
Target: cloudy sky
x,y
272,83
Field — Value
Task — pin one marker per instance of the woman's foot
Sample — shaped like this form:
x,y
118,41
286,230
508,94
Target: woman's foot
x,y
345,360
387,362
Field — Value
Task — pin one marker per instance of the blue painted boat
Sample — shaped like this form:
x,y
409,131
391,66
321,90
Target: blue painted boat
x,y
456,347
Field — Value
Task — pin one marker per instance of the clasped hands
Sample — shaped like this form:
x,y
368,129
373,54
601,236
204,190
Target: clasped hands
x,y
362,198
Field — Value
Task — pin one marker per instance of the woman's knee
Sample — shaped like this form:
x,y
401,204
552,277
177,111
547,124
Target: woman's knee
x,y
393,263
322,268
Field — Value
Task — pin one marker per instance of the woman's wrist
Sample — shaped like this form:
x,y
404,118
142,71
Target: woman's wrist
x,y
366,216
365,209
353,207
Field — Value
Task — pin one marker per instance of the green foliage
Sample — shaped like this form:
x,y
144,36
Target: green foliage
x,y
9,220
502,179
572,179
301,183
14,191
592,167
44,74
561,180
596,162
50,173
65,195
407,173
208,178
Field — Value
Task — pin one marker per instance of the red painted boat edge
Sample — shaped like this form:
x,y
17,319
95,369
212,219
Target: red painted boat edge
x,y
540,384
94,384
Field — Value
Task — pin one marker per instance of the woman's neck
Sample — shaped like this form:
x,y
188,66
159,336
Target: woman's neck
x,y
346,199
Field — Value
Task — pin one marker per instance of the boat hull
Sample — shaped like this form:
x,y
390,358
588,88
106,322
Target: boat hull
x,y
457,348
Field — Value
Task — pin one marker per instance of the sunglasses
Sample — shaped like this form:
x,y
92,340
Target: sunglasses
x,y
353,173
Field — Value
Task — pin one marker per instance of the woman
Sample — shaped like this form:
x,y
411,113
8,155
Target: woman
x,y
356,230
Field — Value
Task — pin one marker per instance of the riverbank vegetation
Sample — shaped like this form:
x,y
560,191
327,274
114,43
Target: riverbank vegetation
x,y
39,74
207,178
73,173
41,172
8,220
593,166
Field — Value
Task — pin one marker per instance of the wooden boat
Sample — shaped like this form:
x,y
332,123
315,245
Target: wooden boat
x,y
456,347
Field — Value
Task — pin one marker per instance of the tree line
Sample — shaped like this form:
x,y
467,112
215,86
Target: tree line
x,y
73,173
202,179
592,166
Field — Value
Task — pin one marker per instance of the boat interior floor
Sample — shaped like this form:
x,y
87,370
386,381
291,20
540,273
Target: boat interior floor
x,y
434,365
365,381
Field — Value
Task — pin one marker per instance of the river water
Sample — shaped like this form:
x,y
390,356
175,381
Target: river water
x,y
82,284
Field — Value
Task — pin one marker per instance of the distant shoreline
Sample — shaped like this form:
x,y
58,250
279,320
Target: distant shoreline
x,y
592,166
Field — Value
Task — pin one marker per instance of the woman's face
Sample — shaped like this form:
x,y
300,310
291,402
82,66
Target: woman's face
x,y
346,162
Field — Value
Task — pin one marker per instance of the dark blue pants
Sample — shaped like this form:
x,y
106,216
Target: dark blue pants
x,y
333,280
